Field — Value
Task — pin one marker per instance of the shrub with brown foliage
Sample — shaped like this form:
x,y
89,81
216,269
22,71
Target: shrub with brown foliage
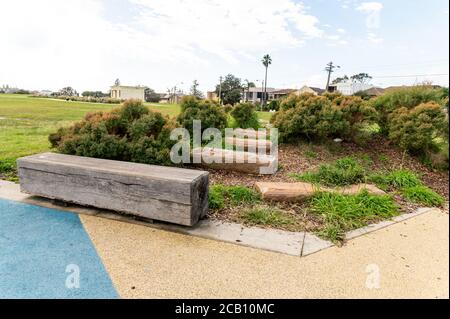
x,y
130,133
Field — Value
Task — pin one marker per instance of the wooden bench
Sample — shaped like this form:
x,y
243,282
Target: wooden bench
x,y
174,195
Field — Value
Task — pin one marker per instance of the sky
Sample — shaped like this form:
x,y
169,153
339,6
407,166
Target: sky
x,y
87,44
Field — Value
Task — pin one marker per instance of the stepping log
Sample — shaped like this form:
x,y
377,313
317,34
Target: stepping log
x,y
250,145
356,189
295,192
174,195
244,162
286,192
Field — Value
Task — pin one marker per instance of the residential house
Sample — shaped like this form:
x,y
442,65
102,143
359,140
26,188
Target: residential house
x,y
310,90
278,94
123,92
349,87
256,94
212,95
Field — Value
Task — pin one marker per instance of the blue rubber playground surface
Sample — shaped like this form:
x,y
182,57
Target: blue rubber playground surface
x,y
46,253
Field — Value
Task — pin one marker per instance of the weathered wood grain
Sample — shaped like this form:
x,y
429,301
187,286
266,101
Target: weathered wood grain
x,y
168,194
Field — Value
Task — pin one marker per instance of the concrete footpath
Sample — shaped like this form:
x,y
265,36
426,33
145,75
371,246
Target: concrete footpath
x,y
406,260
66,255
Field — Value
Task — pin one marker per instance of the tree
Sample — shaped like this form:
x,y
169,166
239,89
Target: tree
x,y
361,78
267,60
195,91
68,91
117,82
231,90
340,80
151,96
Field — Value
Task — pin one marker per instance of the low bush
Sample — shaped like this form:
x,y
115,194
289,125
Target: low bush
x,y
208,112
273,105
317,117
345,171
407,98
7,166
130,133
342,213
423,195
245,116
417,129
89,99
414,118
228,108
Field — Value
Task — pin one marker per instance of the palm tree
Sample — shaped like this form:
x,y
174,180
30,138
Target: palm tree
x,y
267,60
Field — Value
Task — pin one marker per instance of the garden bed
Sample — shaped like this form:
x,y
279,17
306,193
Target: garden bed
x,y
376,158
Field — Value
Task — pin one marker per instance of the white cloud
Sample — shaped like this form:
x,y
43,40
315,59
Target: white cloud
x,y
372,10
56,43
370,7
342,31
372,37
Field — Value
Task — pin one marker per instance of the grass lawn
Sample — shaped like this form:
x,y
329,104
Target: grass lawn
x,y
26,122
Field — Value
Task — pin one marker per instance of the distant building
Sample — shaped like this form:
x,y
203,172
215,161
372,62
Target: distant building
x,y
255,95
278,94
212,95
349,87
123,92
44,93
374,92
311,90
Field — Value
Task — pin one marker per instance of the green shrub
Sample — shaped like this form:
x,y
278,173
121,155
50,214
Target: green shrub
x,y
342,213
423,195
7,165
228,108
404,97
89,99
221,195
208,112
267,217
318,117
245,116
345,171
416,130
130,133
273,105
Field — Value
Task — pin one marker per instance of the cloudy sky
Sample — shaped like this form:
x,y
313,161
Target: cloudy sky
x,y
87,44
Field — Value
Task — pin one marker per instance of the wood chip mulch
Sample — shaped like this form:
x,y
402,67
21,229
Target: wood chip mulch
x,y
377,155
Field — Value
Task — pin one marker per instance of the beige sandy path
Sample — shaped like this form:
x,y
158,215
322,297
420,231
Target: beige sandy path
x,y
412,257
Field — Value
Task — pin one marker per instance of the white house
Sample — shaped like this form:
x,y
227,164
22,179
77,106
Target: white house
x,y
349,87
122,92
255,95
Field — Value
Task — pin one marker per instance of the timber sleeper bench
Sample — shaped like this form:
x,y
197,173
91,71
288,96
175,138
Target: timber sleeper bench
x,y
174,195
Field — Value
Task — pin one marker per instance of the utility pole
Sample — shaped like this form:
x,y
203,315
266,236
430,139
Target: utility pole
x,y
220,91
330,69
